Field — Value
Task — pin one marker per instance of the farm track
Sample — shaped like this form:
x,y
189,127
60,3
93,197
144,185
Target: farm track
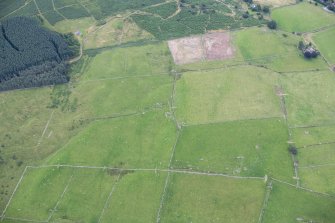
x,y
176,12
56,10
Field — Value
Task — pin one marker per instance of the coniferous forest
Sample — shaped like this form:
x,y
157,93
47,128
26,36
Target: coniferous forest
x,y
32,56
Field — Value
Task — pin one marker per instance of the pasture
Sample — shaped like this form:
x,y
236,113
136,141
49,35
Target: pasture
x,y
302,17
319,178
309,97
218,95
147,60
142,141
84,194
314,135
242,148
212,199
323,40
178,111
275,50
288,204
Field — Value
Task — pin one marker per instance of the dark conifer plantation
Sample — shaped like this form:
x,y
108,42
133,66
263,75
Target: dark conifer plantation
x,y
32,56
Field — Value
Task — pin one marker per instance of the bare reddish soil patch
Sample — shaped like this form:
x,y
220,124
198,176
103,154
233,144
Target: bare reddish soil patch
x,y
186,50
212,46
218,46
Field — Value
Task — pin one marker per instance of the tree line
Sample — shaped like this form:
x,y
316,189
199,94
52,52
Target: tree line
x,y
32,56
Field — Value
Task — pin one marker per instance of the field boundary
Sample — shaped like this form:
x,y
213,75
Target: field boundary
x,y
235,120
316,145
120,78
24,220
45,129
169,170
15,189
313,126
167,179
109,197
281,94
60,198
305,189
317,165
265,202
181,171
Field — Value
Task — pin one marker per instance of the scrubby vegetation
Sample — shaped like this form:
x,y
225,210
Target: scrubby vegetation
x,y
197,17
32,56
102,8
272,24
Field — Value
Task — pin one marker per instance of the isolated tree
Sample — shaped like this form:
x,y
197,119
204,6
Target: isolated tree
x,y
272,24
293,150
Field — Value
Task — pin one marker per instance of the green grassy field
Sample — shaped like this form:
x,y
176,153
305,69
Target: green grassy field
x,y
40,191
317,155
319,178
138,141
274,49
136,198
135,138
245,148
287,204
313,135
302,17
244,92
323,41
48,186
212,199
128,96
309,97
135,61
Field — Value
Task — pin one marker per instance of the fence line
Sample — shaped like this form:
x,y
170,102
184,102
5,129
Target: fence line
x,y
11,197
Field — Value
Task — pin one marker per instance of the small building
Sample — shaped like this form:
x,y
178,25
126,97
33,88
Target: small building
x,y
310,52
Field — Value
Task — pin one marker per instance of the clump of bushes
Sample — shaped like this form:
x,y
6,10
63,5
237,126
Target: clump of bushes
x,y
272,24
293,150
